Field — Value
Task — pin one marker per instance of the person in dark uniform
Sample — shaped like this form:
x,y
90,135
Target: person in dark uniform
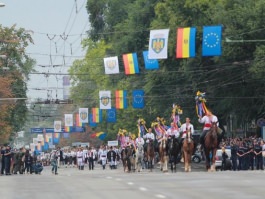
x,y
224,158
251,156
28,162
2,160
240,154
234,150
111,155
258,153
91,155
7,155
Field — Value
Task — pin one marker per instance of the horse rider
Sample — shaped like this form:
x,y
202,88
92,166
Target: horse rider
x,y
173,131
149,136
139,140
184,128
207,120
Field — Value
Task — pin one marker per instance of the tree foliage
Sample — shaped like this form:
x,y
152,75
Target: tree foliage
x,y
233,82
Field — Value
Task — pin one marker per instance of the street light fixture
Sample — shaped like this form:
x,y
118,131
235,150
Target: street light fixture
x,y
2,5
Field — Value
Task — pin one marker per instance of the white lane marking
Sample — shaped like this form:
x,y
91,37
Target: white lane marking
x,y
118,179
142,189
160,196
130,183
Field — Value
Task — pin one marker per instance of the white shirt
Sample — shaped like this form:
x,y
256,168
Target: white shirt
x,y
139,140
149,136
172,131
207,121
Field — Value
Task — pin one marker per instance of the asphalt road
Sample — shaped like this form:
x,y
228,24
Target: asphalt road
x,y
72,183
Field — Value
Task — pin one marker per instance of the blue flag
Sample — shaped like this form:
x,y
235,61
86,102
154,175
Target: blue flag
x,y
111,115
150,63
138,99
91,123
212,41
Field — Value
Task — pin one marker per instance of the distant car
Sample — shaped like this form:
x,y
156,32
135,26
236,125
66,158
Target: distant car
x,y
218,159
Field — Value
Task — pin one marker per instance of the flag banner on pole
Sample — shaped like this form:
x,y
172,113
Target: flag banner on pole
x,y
111,65
99,135
150,64
121,99
97,115
57,126
212,41
130,62
68,129
111,115
104,100
185,42
158,44
138,99
77,120
83,115
56,138
91,123
68,120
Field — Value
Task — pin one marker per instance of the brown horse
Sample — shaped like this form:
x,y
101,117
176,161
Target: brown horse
x,y
210,147
150,154
126,155
187,148
163,155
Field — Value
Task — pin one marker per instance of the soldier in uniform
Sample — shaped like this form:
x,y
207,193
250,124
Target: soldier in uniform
x,y
258,154
7,156
90,155
234,150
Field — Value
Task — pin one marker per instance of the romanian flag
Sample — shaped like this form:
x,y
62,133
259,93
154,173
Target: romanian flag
x,y
97,115
56,135
121,99
77,120
185,42
130,63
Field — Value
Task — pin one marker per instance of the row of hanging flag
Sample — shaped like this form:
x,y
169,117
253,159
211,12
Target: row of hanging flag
x,y
158,49
121,99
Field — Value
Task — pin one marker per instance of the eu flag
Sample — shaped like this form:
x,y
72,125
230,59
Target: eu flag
x,y
138,99
212,41
150,63
111,115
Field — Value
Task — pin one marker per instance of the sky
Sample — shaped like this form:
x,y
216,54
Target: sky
x,y
57,27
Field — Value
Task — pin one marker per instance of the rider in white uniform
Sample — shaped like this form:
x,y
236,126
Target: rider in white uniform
x,y
172,131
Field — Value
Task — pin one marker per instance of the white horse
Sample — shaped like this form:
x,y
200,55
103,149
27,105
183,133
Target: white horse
x,y
139,157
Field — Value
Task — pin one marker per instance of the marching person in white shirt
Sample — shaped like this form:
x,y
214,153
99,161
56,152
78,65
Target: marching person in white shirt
x,y
80,159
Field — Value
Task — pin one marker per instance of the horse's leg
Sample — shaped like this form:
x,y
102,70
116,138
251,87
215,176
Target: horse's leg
x,y
207,160
213,159
165,163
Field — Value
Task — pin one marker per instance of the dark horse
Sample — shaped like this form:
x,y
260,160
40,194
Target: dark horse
x,y
150,153
173,152
126,155
210,146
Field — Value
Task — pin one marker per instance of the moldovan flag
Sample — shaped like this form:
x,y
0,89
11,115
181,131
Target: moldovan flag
x,y
68,120
212,40
150,63
97,115
121,99
57,126
185,42
77,121
104,100
130,63
158,44
91,123
111,65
